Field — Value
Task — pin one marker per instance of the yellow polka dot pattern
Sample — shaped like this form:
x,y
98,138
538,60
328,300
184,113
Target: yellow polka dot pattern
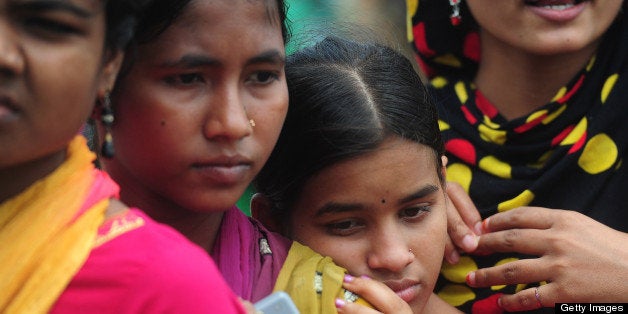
x,y
449,60
496,167
439,82
576,133
599,154
461,174
535,115
492,135
458,273
461,91
456,294
552,116
523,199
608,86
411,7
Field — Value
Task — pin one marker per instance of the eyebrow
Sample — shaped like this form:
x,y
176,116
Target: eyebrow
x,y
335,208
421,193
54,5
201,60
269,56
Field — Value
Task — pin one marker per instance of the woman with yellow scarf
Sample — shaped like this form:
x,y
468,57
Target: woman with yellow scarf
x,y
66,244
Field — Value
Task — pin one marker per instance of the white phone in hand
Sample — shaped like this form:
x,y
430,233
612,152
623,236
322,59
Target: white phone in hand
x,y
276,303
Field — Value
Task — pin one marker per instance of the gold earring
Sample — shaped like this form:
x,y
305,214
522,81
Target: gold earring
x,y
107,119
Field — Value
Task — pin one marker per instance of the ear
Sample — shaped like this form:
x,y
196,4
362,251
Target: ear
x,y
261,210
443,169
111,67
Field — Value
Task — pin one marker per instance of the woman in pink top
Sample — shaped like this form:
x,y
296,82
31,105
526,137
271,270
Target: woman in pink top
x,y
68,245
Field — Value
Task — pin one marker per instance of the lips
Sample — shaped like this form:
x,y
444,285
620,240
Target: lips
x,y
224,170
7,108
558,4
406,289
557,11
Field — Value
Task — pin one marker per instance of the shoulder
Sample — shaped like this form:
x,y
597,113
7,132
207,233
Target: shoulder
x,y
149,267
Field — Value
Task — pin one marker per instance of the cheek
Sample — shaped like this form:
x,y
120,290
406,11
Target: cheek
x,y
268,124
430,243
345,253
70,91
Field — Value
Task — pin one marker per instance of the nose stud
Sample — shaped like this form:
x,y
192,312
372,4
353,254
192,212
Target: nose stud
x,y
252,122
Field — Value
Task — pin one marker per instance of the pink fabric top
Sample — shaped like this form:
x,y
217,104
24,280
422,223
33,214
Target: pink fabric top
x,y
248,255
141,266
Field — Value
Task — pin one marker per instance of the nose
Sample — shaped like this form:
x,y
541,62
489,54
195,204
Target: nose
x,y
389,251
227,119
11,60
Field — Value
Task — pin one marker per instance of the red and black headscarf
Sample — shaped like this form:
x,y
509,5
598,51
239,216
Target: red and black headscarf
x,y
567,154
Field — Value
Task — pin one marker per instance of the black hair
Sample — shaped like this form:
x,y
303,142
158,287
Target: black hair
x,y
121,19
346,98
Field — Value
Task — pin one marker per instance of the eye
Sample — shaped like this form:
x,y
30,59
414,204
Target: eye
x,y
344,227
185,79
415,212
48,26
263,77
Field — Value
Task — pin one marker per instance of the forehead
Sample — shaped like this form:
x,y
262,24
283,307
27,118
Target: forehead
x,y
88,5
229,13
396,168
228,30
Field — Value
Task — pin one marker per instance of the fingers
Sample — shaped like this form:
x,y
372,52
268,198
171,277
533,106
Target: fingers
x,y
345,307
516,272
467,210
248,306
521,218
376,293
460,209
524,241
451,252
528,299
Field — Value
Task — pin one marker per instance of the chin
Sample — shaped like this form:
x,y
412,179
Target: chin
x,y
212,202
418,305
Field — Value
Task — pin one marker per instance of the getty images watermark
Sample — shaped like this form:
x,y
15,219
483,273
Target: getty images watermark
x,y
591,308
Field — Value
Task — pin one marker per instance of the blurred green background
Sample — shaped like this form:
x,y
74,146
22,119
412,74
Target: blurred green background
x,y
385,20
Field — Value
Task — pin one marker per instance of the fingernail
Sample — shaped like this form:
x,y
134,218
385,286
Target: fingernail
x,y
485,225
348,278
499,303
365,277
471,278
340,303
469,242
478,228
454,257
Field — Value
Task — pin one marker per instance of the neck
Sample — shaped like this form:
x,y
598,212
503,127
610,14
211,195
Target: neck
x,y
199,227
532,80
16,179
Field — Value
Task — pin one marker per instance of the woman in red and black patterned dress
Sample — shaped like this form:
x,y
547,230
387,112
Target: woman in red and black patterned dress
x,y
533,105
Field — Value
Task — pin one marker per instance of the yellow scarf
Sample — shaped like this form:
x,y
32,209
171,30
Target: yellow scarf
x,y
42,242
313,281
